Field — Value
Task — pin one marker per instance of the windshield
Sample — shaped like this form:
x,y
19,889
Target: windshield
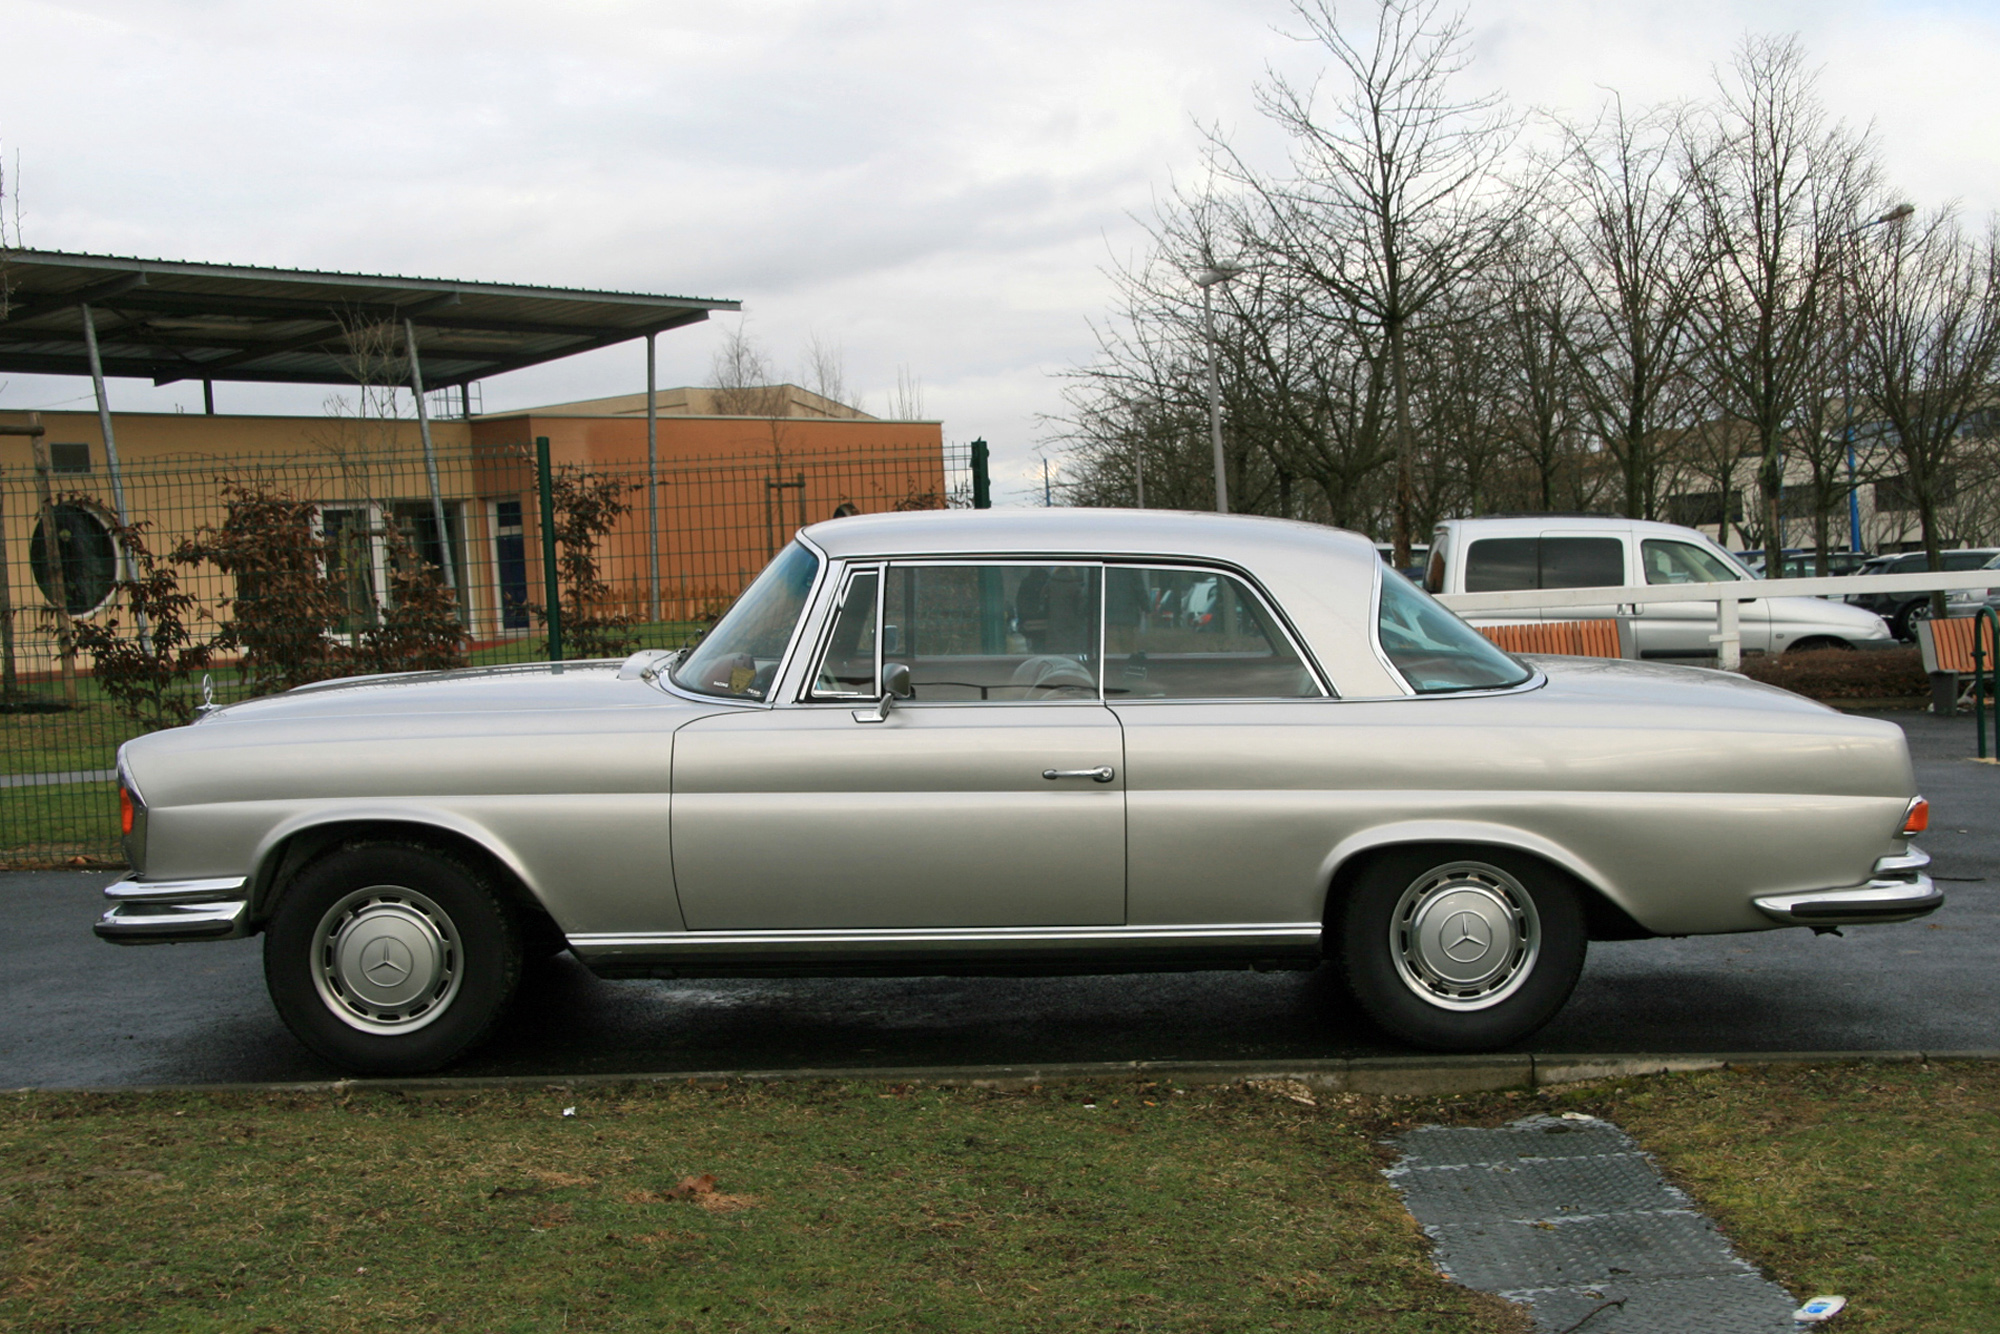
x,y
738,658
1684,563
1434,650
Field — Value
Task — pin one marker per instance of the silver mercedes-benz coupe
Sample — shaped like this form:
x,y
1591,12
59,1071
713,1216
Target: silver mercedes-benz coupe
x,y
1040,741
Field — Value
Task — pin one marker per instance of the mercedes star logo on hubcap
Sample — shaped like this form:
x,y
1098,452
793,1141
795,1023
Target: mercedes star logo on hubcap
x,y
1466,937
385,962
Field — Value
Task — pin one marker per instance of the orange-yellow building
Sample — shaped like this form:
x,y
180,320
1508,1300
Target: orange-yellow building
x,y
724,491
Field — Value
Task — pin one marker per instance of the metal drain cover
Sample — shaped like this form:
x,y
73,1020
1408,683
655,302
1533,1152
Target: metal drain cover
x,y
1567,1215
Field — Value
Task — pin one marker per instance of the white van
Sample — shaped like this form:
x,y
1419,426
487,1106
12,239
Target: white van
x,y
1491,555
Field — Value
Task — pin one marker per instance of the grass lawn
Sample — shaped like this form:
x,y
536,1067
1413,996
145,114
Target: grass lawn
x,y
1877,1182
865,1206
40,826
833,1207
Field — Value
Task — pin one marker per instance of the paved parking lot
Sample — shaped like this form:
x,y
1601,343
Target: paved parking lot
x,y
80,1012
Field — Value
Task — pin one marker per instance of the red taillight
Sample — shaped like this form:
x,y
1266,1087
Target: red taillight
x,y
124,809
1917,819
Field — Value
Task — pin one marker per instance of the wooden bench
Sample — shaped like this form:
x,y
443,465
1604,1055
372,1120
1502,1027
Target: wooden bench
x,y
1576,639
1947,644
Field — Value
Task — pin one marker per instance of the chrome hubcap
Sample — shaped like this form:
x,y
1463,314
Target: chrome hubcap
x,y
1465,936
386,960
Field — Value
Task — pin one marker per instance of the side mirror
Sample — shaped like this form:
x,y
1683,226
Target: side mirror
x,y
895,685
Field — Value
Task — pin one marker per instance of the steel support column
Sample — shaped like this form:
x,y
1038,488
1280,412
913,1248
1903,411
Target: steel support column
x,y
127,570
445,551
652,482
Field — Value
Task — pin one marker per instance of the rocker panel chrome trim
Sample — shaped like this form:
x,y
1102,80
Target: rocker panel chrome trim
x,y
932,940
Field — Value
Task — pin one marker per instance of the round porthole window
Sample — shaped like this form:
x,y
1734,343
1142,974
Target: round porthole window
x,y
86,559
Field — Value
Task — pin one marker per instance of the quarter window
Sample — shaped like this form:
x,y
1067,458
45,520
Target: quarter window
x,y
1504,564
847,669
1194,634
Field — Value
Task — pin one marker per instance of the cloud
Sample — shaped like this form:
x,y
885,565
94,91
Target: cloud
x,y
936,186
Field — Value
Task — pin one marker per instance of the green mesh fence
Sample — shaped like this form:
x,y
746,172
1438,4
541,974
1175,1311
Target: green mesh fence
x,y
665,555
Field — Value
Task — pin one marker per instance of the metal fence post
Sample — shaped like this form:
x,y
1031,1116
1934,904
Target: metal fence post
x,y
982,479
1984,670
551,589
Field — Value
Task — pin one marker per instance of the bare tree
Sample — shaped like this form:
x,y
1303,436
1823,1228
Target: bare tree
x,y
1928,308
1624,227
825,369
1778,187
740,376
906,403
1392,196
10,224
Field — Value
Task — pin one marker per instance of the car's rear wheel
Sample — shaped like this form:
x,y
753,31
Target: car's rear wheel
x,y
386,958
1461,949
1819,642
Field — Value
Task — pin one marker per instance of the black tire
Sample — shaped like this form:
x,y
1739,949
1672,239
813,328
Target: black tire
x,y
444,947
1904,626
1526,920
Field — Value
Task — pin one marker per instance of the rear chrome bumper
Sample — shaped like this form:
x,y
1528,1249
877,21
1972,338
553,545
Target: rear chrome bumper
x,y
162,912
1899,892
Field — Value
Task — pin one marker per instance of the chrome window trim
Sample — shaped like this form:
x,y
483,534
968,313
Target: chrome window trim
x,y
849,572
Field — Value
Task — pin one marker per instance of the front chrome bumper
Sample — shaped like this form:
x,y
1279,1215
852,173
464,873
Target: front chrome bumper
x,y
162,912
1898,892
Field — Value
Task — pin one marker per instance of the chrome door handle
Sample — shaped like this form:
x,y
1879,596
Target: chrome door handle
x,y
1103,773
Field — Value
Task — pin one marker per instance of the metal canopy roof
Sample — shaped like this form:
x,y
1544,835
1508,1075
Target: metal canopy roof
x,y
167,321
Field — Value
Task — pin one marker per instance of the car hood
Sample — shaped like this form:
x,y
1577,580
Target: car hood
x,y
541,728
515,688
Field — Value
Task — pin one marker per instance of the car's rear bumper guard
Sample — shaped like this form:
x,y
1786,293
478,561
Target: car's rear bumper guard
x,y
161,912
1899,892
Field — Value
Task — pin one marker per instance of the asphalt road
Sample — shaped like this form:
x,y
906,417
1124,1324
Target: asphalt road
x,y
82,1013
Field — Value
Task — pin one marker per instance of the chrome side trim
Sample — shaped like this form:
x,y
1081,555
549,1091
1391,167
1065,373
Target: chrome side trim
x,y
922,940
142,923
1899,892
177,891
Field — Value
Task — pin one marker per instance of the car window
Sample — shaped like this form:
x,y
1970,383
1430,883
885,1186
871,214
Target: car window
x,y
994,633
740,655
1669,562
1502,564
1583,562
847,666
1435,651
1194,634
1964,560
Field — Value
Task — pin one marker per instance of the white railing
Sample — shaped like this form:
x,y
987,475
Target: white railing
x,y
1727,597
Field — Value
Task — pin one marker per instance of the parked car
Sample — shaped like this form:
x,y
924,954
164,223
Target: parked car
x,y
1903,610
1554,551
1803,562
1052,771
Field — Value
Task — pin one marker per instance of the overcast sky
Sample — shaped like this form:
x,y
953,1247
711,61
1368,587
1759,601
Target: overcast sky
x,y
932,186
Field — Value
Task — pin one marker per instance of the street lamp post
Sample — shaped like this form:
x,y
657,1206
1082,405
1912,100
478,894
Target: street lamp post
x,y
1206,278
1894,215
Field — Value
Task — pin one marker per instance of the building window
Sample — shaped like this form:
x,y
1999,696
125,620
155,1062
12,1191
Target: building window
x,y
1896,495
80,578
1703,509
69,458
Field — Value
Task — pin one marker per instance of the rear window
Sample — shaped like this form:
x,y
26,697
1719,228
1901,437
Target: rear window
x,y
1503,564
1435,651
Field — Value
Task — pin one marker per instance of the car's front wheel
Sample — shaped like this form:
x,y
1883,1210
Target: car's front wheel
x,y
387,958
1460,949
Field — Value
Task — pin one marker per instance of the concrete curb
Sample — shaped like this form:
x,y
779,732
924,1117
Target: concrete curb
x,y
1386,1076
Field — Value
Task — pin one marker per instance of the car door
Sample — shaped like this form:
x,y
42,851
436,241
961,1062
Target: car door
x,y
1591,559
1683,629
993,797
1207,706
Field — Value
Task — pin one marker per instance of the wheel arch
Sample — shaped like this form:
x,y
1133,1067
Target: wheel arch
x,y
1605,918
294,846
